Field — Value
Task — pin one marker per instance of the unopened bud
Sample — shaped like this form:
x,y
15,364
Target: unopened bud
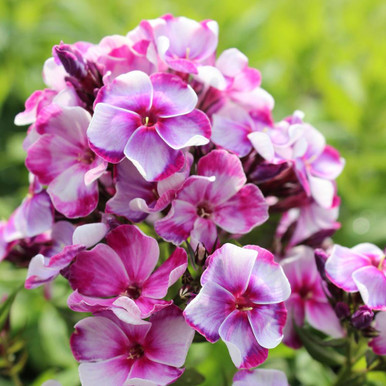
x,y
71,60
362,318
342,310
320,259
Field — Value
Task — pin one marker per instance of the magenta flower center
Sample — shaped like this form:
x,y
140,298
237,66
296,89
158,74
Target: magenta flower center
x,y
244,304
133,292
149,119
87,157
135,352
305,293
204,211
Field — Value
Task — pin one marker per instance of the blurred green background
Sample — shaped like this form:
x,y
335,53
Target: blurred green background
x,y
327,58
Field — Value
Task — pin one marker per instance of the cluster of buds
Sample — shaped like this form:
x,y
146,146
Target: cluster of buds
x,y
149,140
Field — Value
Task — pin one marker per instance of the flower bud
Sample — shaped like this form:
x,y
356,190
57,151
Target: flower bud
x,y
342,310
362,318
321,258
71,60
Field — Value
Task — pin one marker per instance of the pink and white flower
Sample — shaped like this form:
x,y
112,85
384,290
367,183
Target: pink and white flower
x,y
260,377
361,268
241,302
308,301
219,196
62,159
378,344
136,113
123,268
112,352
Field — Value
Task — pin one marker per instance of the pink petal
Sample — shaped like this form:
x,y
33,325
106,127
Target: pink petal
x,y
243,348
138,252
110,129
169,338
323,191
111,372
194,190
89,234
97,338
329,164
371,283
228,171
268,283
296,314
172,96
204,232
263,377
156,286
231,62
341,265
82,303
38,272
126,313
70,195
154,373
322,317
262,144
267,322
149,306
231,135
163,162
130,185
207,311
179,222
378,344
230,267
131,91
242,212
192,129
99,272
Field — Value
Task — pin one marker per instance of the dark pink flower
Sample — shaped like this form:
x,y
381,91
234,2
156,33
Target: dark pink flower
x,y
136,113
123,268
260,377
308,300
216,196
61,158
112,352
363,269
241,302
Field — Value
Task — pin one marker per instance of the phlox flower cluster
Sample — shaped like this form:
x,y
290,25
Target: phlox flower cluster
x,y
153,142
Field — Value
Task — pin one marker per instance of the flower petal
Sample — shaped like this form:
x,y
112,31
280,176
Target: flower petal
x,y
230,267
169,338
207,311
260,377
138,252
192,129
243,348
162,162
242,212
204,232
110,129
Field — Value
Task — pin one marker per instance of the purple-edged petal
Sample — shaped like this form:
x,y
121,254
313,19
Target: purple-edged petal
x,y
172,96
268,283
242,212
162,162
322,317
111,372
131,91
138,252
97,338
323,191
70,195
262,144
110,129
328,165
38,272
178,223
146,372
207,311
371,283
267,322
228,171
156,286
378,344
82,303
230,267
204,232
260,377
192,129
149,306
99,272
89,234
231,135
169,338
341,265
243,348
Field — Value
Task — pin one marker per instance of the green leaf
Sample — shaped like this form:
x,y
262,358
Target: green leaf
x,y
370,358
189,378
314,346
6,307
